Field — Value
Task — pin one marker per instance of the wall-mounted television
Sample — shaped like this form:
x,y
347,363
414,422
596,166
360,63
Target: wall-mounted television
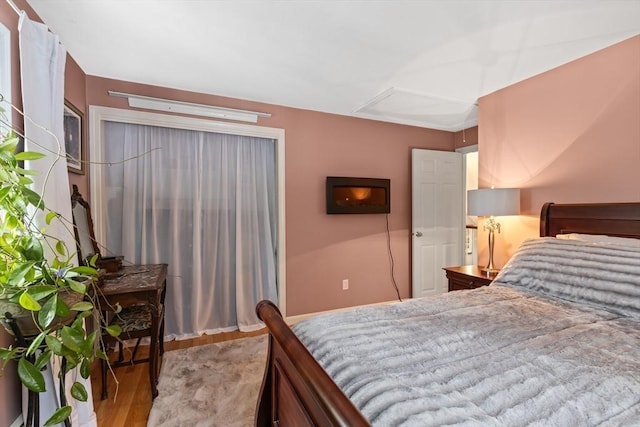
x,y
347,195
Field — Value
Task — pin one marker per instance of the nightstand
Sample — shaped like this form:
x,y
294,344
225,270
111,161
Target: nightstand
x,y
467,277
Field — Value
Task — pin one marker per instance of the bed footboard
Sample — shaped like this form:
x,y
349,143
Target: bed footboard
x,y
295,390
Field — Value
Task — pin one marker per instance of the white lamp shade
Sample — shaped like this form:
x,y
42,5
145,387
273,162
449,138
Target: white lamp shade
x,y
493,202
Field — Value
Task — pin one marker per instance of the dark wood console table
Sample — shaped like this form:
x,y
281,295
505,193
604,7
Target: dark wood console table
x,y
135,285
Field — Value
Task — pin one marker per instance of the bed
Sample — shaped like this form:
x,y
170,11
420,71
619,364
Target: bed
x,y
554,340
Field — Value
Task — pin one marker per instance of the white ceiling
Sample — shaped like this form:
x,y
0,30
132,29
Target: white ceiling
x,y
415,62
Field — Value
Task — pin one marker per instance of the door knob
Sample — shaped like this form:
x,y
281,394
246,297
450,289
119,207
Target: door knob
x,y
417,234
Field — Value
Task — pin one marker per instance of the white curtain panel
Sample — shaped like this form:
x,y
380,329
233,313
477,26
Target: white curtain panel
x,y
205,204
42,61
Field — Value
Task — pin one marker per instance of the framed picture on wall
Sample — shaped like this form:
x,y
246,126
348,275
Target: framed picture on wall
x,y
73,138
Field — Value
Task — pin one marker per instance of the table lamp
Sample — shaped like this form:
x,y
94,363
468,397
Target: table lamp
x,y
493,202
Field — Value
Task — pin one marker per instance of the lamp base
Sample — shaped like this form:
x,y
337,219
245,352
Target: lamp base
x,y
489,271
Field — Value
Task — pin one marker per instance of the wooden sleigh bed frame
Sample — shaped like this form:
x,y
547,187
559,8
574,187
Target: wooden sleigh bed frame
x,y
296,391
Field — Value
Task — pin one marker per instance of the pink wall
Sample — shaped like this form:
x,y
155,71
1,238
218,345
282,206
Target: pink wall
x,y
570,135
465,138
74,92
322,249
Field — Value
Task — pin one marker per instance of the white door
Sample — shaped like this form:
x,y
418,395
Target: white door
x,y
437,218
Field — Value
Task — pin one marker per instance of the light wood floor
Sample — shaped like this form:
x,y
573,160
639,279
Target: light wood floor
x,y
131,406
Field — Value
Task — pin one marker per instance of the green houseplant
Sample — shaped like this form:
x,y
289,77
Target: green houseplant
x,y
46,294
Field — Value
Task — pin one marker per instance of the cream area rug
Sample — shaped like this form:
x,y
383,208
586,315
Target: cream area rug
x,y
210,385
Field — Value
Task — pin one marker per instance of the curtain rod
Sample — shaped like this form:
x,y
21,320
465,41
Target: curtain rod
x,y
173,106
13,6
19,12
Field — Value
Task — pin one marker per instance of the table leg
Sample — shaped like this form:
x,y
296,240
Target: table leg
x,y
153,350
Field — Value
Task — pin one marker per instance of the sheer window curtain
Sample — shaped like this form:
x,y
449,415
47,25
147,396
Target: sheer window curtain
x,y
204,203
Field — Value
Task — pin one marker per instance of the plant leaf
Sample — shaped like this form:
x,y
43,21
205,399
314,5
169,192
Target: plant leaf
x,y
4,191
54,345
47,276
43,359
82,306
36,342
79,392
29,155
10,143
84,270
72,338
8,353
48,311
19,273
39,292
27,171
24,180
113,330
32,197
78,287
60,248
85,368
78,324
94,259
27,302
85,314
62,309
11,221
101,355
88,346
33,250
30,376
59,416
50,217
72,361
59,265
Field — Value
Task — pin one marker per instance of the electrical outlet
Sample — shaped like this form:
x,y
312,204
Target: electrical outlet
x,y
345,284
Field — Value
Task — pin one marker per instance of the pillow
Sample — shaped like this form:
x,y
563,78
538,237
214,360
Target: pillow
x,y
598,275
602,239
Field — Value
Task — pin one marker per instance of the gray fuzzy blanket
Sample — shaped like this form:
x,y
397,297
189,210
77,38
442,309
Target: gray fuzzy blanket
x,y
516,353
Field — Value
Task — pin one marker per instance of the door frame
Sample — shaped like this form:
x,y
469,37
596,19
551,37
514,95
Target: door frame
x,y
98,115
464,151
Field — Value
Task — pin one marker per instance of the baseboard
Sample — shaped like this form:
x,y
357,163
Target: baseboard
x,y
19,422
292,320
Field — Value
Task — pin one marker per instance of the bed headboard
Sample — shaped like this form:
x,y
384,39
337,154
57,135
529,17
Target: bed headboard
x,y
613,219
